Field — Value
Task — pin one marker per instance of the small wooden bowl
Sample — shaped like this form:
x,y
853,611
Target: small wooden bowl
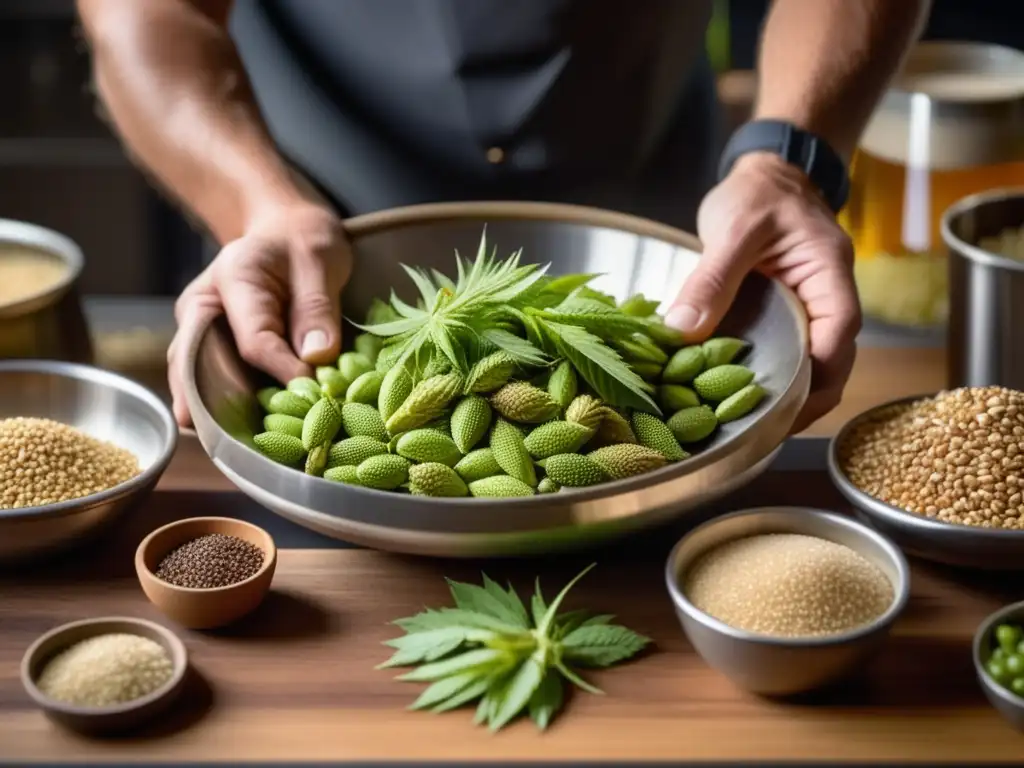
x,y
204,608
116,717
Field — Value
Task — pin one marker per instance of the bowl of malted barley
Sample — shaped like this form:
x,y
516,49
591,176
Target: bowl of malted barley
x,y
785,600
206,572
78,446
942,475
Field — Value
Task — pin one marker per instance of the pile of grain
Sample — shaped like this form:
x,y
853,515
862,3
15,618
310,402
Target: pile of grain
x,y
44,462
211,561
26,272
788,585
957,457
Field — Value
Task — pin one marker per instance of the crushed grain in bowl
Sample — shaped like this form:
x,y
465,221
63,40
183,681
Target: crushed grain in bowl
x,y
45,462
957,457
788,585
211,561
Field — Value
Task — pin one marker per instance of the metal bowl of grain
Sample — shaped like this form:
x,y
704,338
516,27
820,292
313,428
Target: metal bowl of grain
x,y
634,256
40,310
785,600
123,433
890,452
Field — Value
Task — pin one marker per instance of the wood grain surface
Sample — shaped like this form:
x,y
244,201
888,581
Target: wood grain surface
x,y
295,681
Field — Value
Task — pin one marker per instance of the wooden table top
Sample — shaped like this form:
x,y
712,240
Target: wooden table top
x,y
296,680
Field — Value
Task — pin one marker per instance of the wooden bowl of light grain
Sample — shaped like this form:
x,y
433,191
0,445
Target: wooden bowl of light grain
x,y
105,675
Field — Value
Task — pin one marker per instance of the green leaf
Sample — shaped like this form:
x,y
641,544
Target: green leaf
x,y
509,598
466,695
521,687
455,617
601,367
537,604
424,646
392,328
520,349
601,646
576,680
445,688
639,305
443,281
547,700
546,622
600,319
479,658
445,341
428,291
470,597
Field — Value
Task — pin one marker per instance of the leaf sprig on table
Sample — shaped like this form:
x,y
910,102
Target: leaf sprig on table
x,y
489,648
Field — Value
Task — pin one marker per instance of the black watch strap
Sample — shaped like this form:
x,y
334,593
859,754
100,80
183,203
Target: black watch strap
x,y
808,152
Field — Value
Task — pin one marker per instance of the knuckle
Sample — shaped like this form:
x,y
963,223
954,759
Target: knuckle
x,y
314,304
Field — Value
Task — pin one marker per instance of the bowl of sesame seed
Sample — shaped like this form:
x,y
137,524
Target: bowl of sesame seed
x,y
941,475
206,572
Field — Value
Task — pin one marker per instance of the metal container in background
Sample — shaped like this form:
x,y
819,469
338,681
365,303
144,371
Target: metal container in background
x,y
49,324
986,323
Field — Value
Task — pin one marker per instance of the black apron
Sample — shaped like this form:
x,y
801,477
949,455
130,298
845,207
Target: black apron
x,y
384,103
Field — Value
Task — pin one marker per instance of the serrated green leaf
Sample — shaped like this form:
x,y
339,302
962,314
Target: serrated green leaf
x,y
454,617
479,658
428,291
600,366
639,305
601,645
509,599
393,328
521,687
576,680
443,339
444,689
424,646
547,621
599,319
537,604
466,695
470,597
518,348
547,700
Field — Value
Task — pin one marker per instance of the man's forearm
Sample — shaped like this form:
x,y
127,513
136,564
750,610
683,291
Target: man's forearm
x,y
824,64
170,77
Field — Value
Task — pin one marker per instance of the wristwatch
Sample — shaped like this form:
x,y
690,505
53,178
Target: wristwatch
x,y
810,153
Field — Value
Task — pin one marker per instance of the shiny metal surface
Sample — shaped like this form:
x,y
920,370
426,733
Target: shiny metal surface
x,y
101,404
1008,704
772,666
49,325
986,307
635,255
958,545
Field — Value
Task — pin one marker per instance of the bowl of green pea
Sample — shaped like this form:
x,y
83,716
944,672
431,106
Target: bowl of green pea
x,y
999,661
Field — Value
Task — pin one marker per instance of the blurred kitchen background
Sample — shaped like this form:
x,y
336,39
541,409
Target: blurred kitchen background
x,y
61,167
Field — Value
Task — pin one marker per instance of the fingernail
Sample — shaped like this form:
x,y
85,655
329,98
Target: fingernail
x,y
314,343
683,318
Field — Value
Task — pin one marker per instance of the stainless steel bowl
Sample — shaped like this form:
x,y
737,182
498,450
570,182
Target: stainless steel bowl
x,y
773,666
101,404
1006,702
634,255
958,545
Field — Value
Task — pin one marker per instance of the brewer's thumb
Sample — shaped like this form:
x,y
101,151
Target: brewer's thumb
x,y
315,319
706,295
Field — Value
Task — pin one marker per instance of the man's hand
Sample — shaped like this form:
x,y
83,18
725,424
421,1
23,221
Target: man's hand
x,y
279,285
765,216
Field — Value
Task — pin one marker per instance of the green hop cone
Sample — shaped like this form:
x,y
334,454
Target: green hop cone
x,y
353,365
525,403
684,365
562,385
724,350
306,388
428,445
574,471
478,464
640,348
362,419
436,366
499,487
490,373
365,389
321,423
286,425
557,437
653,433
716,384
510,452
647,371
615,428
316,459
264,395
434,479
666,337
345,473
442,424
394,389
470,421
627,460
388,357
284,449
385,472
354,451
739,404
331,381
425,402
289,404
547,485
691,425
585,410
675,397
368,345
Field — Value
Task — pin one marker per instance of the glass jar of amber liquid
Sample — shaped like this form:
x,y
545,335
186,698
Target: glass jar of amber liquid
x,y
951,125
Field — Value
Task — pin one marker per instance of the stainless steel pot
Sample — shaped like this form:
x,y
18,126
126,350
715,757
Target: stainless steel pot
x,y
986,325
49,325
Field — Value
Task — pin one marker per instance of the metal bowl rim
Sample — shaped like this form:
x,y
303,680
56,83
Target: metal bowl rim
x,y
901,589
104,378
52,242
972,252
881,509
416,215
178,671
987,625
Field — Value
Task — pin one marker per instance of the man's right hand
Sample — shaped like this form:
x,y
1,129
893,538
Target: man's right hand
x,y
280,286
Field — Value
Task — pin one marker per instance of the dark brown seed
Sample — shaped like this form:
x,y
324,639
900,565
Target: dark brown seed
x,y
211,561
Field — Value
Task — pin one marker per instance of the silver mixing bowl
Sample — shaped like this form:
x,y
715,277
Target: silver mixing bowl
x,y
962,546
782,666
101,404
634,255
